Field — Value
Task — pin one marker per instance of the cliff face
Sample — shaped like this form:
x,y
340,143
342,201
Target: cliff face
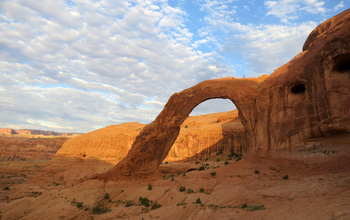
x,y
305,99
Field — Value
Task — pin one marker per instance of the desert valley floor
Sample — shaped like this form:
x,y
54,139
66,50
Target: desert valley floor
x,y
312,183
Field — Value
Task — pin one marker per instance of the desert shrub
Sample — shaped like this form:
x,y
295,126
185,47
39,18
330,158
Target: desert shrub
x,y
156,205
217,160
106,196
226,163
201,168
213,174
198,201
182,188
201,190
256,171
186,126
144,201
232,154
181,204
79,205
244,205
189,191
129,203
150,186
99,209
255,207
285,177
6,188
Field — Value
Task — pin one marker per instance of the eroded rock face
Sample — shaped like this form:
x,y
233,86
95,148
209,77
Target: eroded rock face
x,y
307,98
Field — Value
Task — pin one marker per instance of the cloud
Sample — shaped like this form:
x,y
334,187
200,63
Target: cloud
x,y
289,9
339,6
80,65
93,63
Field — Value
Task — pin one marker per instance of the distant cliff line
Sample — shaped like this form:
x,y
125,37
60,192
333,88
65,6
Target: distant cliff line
x,y
10,131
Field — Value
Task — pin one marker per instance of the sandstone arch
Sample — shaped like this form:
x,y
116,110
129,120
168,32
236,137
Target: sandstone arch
x,y
306,99
154,142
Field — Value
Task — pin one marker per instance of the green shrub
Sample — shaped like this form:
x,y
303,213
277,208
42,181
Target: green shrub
x,y
144,201
256,171
129,203
198,201
201,190
99,209
6,188
79,205
106,196
181,204
285,177
244,205
213,174
189,191
182,188
201,168
255,207
150,186
155,206
226,163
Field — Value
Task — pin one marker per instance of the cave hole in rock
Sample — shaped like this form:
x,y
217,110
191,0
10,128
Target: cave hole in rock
x,y
201,134
298,88
342,64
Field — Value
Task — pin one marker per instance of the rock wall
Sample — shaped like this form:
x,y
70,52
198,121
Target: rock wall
x,y
307,98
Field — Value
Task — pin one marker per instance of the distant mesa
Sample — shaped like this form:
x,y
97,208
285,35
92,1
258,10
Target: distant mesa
x,y
9,131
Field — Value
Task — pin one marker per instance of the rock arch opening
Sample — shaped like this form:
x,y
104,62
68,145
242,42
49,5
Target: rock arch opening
x,y
213,106
213,126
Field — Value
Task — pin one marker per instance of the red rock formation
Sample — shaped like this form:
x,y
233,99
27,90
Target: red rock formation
x,y
7,131
306,98
96,151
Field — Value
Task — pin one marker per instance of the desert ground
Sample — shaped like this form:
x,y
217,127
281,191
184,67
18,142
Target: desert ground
x,y
312,182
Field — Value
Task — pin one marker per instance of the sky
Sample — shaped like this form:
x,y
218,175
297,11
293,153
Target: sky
x,y
80,65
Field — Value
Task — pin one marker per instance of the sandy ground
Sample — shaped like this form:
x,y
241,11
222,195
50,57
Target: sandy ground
x,y
255,187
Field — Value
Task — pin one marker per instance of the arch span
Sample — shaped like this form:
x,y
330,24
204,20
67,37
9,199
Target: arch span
x,y
154,142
